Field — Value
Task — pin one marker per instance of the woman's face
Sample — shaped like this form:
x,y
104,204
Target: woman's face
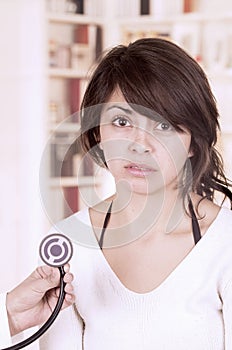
x,y
147,154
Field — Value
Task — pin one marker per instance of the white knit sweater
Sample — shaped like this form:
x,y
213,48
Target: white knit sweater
x,y
191,309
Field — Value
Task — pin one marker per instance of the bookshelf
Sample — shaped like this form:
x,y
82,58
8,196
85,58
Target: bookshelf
x,y
206,33
73,43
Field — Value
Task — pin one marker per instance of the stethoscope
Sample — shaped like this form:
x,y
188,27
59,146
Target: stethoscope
x,y
55,250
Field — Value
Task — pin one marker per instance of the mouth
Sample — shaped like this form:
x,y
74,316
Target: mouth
x,y
140,170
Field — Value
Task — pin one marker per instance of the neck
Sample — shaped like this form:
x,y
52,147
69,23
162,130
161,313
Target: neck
x,y
160,212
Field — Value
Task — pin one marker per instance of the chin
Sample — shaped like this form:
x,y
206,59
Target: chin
x,y
143,189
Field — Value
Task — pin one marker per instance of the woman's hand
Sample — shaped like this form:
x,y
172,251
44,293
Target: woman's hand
x,y
32,301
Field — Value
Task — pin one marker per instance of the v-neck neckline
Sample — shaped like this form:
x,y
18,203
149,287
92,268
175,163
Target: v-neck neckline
x,y
207,235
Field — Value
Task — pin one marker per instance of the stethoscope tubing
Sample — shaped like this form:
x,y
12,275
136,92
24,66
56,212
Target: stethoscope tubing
x,y
49,322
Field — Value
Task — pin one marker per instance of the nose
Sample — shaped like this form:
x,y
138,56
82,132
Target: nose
x,y
140,142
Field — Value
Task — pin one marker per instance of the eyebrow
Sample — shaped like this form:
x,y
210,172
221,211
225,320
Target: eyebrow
x,y
126,110
156,117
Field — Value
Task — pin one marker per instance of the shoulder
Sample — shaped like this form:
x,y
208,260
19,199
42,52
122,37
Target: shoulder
x,y
78,218
221,240
215,247
82,226
221,225
77,227
211,215
223,222
219,237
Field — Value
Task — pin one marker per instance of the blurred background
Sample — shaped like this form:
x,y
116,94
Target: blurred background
x,y
48,49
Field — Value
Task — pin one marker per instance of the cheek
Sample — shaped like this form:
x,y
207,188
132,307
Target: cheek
x,y
115,167
115,148
173,153
108,139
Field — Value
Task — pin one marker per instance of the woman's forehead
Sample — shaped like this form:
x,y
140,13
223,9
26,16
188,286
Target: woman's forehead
x,y
116,96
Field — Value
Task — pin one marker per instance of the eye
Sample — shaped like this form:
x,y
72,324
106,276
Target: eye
x,y
164,126
121,121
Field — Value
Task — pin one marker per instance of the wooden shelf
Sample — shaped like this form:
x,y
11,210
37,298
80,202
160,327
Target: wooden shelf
x,y
65,128
71,18
185,17
74,181
66,73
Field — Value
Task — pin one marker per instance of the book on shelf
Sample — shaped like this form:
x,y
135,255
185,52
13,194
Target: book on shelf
x,y
144,7
111,9
74,98
80,6
99,42
74,47
63,147
71,195
88,166
59,166
66,6
67,159
76,92
166,8
188,6
83,165
80,34
83,48
130,35
74,53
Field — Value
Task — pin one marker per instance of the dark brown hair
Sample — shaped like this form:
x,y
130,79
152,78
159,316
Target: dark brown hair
x,y
159,75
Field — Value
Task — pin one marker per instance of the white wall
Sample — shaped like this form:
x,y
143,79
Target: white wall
x,y
22,136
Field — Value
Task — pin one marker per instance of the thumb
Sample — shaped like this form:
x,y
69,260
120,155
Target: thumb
x,y
44,278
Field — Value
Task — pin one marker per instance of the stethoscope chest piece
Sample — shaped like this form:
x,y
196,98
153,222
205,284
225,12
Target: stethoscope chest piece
x,y
56,250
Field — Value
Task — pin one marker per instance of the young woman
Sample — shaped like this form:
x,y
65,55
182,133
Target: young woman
x,y
152,263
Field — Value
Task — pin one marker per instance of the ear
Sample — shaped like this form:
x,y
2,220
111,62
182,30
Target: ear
x,y
190,152
98,141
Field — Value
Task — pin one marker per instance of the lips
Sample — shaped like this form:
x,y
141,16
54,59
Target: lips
x,y
140,170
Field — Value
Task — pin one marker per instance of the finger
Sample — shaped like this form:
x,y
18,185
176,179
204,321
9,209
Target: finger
x,y
43,271
53,295
69,288
66,267
69,300
44,278
68,277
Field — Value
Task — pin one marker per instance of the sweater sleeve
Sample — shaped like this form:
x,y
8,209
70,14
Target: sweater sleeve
x,y
65,333
227,314
5,338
